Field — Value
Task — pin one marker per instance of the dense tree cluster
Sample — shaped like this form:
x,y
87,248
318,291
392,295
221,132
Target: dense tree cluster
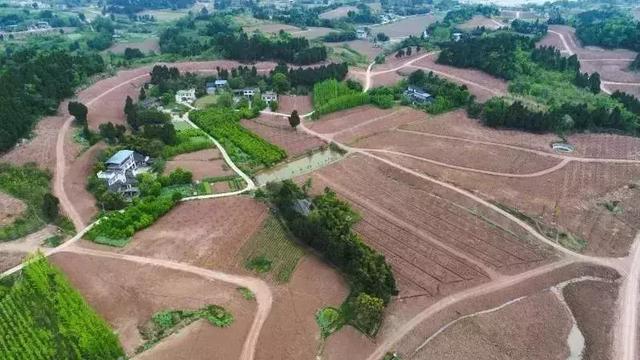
x,y
528,27
335,36
231,41
448,95
362,15
608,28
406,7
312,75
329,229
135,6
568,117
495,55
629,101
465,13
33,84
635,65
551,58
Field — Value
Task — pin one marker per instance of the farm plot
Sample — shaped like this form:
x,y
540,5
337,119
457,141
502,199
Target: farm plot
x,y
142,290
272,250
535,327
567,199
412,25
338,121
337,12
592,304
378,125
456,153
364,47
270,28
75,185
10,208
435,240
214,230
616,70
288,103
481,21
276,130
629,89
203,164
146,46
589,52
480,84
312,32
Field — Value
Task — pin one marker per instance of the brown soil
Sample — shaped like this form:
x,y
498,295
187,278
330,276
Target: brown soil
x,y
593,305
472,76
480,21
75,184
434,245
379,125
9,259
589,52
533,328
612,70
341,120
312,32
146,46
10,208
291,331
202,163
126,294
288,103
413,25
271,28
221,187
364,47
214,230
276,130
629,89
385,79
338,12
473,156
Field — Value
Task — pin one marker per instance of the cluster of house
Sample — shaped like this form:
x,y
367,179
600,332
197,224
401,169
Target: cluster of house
x,y
418,96
250,92
35,29
121,171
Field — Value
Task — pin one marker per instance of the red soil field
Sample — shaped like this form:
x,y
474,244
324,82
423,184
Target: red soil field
x,y
480,84
533,328
426,232
10,208
612,70
141,290
338,12
480,21
341,120
532,288
276,130
593,305
629,89
215,230
203,163
220,187
376,125
473,156
288,103
385,79
146,46
291,331
568,198
78,170
458,125
412,25
589,52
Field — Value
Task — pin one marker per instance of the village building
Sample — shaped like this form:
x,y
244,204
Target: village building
x,y
303,206
456,36
248,92
269,97
186,96
361,34
418,96
212,87
121,171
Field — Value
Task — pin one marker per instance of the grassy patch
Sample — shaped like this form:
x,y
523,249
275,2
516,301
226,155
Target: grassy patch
x,y
275,244
260,264
53,241
167,322
29,184
189,140
246,293
205,101
329,320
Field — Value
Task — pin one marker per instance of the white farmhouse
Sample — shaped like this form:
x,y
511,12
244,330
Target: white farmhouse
x,y
186,96
269,96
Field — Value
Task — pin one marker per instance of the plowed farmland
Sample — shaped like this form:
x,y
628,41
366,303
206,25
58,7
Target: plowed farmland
x,y
276,130
411,25
481,21
288,103
203,163
435,240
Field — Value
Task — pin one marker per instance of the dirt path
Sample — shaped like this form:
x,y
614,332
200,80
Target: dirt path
x,y
564,42
260,289
30,243
627,322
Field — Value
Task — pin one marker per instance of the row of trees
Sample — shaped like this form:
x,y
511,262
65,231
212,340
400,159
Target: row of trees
x,y
328,228
34,83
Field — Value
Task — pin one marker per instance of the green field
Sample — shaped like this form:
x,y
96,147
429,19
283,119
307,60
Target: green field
x,y
205,101
276,245
43,317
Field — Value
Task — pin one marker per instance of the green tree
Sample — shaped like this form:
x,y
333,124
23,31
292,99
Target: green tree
x,y
382,37
225,100
50,207
367,312
294,119
79,111
281,83
594,83
143,94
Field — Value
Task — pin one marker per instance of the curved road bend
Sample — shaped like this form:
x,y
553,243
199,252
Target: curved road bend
x,y
261,290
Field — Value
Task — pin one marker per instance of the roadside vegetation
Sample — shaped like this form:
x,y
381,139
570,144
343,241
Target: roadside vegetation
x,y
43,317
328,228
31,185
167,322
